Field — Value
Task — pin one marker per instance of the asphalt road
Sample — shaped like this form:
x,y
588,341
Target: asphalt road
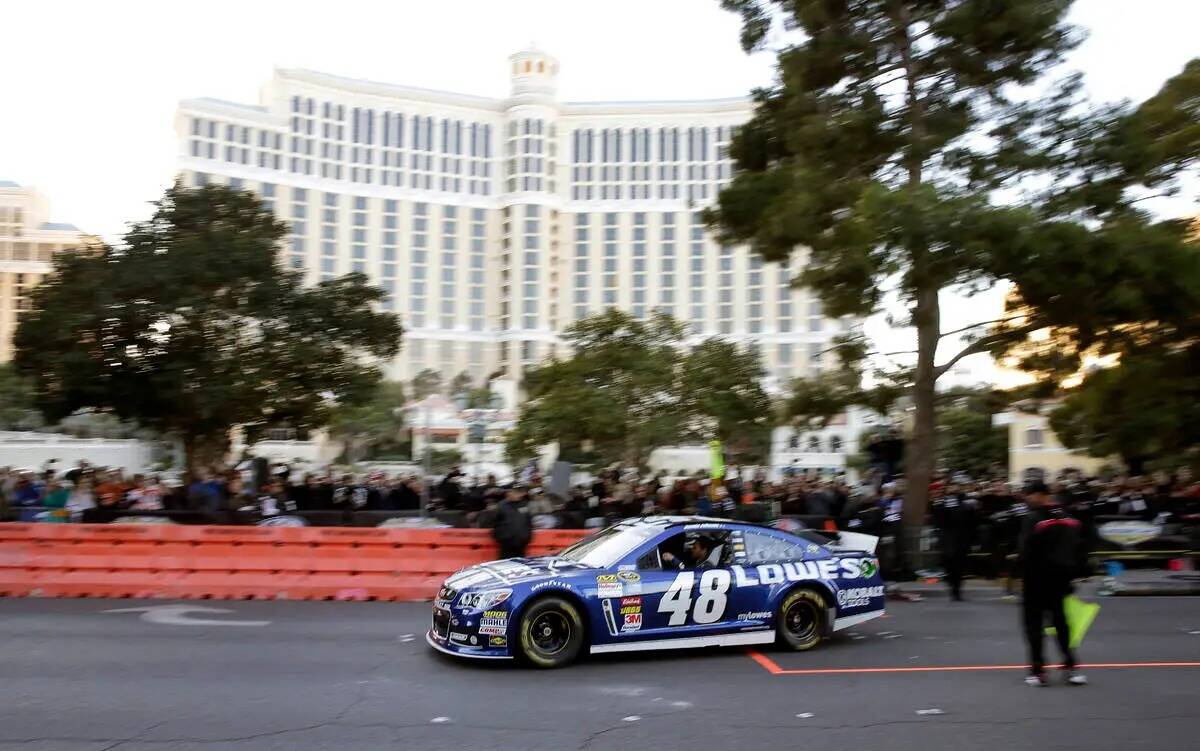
x,y
352,676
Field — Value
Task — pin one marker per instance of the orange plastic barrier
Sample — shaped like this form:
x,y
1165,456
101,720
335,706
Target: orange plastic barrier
x,y
300,563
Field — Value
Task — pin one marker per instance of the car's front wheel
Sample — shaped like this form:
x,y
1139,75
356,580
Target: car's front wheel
x,y
800,619
550,633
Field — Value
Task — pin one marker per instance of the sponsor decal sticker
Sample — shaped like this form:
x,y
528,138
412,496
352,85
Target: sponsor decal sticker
x,y
753,616
498,641
493,623
607,585
455,636
856,597
629,576
555,583
633,622
868,567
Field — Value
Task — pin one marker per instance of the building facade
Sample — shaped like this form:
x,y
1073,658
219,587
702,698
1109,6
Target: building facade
x,y
28,243
493,224
1034,451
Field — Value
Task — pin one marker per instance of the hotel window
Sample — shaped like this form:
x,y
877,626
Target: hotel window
x,y
582,279
610,259
419,265
329,225
667,270
387,269
639,264
785,300
449,292
478,261
725,291
754,295
296,243
696,282
530,272
815,314
358,240
784,372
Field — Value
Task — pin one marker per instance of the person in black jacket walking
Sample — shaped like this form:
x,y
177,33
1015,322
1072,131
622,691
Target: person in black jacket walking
x,y
1050,557
513,527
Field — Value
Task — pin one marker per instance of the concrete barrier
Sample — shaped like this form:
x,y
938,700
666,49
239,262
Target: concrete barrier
x,y
219,562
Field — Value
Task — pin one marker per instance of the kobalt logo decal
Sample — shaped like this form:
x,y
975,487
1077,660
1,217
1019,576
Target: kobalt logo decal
x,y
858,596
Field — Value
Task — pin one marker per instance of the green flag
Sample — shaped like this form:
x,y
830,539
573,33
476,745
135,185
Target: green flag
x,y
1080,615
718,460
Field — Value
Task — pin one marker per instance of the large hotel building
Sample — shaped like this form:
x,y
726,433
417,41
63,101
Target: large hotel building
x,y
493,224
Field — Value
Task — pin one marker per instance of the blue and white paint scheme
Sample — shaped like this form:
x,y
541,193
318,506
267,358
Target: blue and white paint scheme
x,y
633,601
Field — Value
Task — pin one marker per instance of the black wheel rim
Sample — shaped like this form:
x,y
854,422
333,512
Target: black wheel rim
x,y
550,632
801,620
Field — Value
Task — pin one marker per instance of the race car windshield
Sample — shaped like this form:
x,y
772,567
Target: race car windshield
x,y
608,546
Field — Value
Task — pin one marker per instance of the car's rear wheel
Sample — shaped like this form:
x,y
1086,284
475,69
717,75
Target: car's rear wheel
x,y
800,619
550,633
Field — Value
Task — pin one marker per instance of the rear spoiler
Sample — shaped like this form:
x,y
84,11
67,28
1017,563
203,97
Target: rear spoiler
x,y
857,541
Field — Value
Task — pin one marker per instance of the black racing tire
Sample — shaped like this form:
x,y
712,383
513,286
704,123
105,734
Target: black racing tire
x,y
800,620
550,633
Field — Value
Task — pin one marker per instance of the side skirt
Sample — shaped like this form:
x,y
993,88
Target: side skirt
x,y
765,636
854,620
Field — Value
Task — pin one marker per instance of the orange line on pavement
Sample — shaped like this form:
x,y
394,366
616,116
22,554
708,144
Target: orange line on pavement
x,y
774,669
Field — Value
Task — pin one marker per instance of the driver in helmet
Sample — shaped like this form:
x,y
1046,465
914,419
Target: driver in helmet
x,y
696,550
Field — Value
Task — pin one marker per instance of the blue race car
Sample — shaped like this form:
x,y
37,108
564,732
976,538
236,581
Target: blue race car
x,y
660,583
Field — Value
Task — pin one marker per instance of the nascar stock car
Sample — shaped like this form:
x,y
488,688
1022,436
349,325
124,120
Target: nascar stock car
x,y
660,583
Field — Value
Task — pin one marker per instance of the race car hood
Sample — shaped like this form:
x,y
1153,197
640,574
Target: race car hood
x,y
513,571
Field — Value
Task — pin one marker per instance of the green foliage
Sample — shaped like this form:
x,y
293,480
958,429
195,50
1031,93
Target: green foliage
x,y
372,426
17,408
721,384
460,384
441,460
1147,407
901,146
631,386
425,383
966,439
191,327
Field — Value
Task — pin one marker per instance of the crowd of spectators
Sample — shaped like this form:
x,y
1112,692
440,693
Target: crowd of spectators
x,y
870,505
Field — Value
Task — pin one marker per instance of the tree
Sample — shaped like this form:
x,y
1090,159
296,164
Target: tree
x,y
17,408
721,386
426,383
1145,408
901,147
460,384
631,385
372,425
616,396
967,441
191,327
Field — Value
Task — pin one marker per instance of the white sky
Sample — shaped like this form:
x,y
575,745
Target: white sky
x,y
92,86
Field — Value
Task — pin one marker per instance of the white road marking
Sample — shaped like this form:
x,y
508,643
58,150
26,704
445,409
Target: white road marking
x,y
176,615
631,718
440,720
934,710
681,704
805,715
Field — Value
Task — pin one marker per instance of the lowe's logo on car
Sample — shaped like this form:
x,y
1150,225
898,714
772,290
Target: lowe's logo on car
x,y
777,573
858,596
